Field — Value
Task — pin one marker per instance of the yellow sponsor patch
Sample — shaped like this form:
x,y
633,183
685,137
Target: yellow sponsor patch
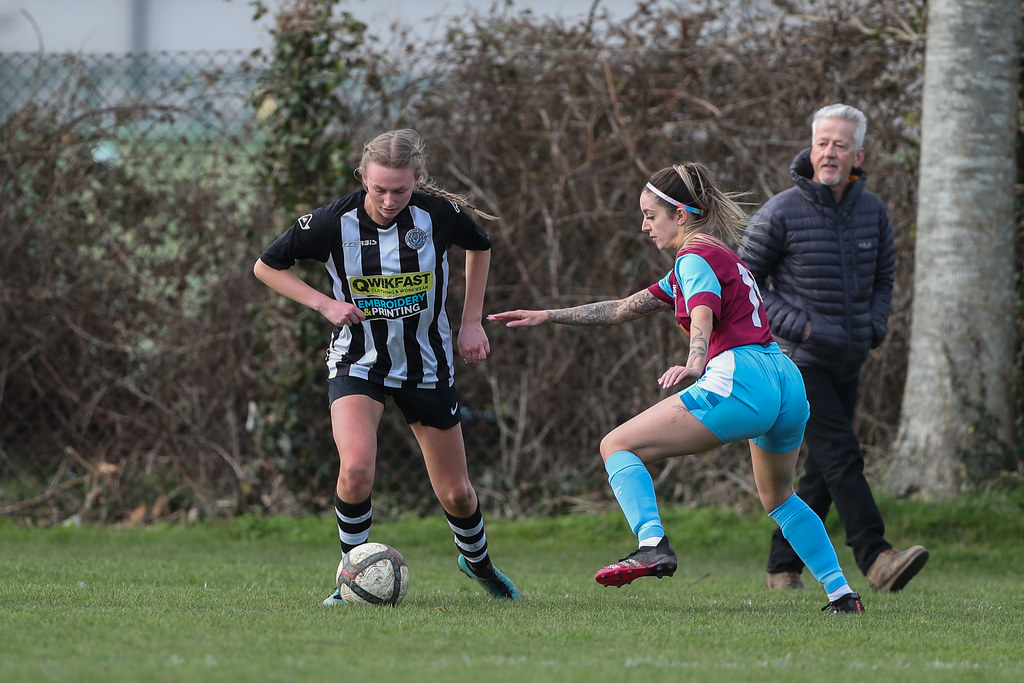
x,y
391,296
389,286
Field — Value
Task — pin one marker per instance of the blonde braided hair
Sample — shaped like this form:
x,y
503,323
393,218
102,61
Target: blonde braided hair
x,y
404,148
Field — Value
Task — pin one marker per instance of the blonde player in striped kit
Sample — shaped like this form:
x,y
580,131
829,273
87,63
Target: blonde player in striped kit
x,y
386,250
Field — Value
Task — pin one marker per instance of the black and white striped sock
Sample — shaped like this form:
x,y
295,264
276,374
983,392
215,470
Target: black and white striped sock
x,y
354,520
470,538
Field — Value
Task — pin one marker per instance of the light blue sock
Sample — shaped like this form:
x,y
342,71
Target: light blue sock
x,y
805,532
634,489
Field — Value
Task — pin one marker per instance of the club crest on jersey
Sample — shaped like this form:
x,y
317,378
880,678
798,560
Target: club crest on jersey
x,y
304,221
415,239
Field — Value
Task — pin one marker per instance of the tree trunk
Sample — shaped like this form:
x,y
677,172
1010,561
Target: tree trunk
x,y
958,400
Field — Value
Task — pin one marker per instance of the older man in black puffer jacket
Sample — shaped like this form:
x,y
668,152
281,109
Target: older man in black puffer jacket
x,y
823,257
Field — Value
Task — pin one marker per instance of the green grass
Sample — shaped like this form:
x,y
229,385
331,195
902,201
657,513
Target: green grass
x,y
240,600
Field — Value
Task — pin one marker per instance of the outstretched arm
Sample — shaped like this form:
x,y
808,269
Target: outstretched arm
x,y
638,305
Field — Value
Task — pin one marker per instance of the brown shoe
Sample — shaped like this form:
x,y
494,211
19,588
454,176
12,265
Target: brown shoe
x,y
784,580
893,569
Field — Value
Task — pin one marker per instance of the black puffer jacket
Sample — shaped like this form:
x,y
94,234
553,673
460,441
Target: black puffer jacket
x,y
829,263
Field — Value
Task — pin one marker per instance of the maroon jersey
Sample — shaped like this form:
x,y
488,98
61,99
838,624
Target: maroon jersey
x,y
708,273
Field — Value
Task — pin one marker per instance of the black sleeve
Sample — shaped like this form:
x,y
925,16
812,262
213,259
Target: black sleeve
x,y
312,236
463,231
471,236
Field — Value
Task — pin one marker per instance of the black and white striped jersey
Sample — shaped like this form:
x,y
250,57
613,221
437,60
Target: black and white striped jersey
x,y
397,275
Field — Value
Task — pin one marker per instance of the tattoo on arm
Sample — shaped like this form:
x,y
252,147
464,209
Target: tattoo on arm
x,y
643,303
638,305
698,350
601,313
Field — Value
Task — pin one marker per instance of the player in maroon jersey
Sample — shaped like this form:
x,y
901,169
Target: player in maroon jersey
x,y
737,382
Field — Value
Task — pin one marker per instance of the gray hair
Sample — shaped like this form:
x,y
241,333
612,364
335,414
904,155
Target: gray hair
x,y
844,112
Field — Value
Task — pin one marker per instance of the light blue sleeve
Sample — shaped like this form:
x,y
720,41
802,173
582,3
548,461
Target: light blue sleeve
x,y
695,276
666,285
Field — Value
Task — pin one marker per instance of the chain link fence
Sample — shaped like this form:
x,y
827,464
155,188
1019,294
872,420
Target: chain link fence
x,y
145,374
116,400
197,100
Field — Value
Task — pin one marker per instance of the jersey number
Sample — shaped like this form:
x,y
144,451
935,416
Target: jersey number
x,y
753,295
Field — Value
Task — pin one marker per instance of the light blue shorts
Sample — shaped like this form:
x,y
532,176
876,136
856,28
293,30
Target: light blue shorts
x,y
751,392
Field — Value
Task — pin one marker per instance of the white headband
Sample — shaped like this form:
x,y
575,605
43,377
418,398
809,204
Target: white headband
x,y
668,199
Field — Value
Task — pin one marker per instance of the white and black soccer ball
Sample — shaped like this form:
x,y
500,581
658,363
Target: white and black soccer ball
x,y
373,574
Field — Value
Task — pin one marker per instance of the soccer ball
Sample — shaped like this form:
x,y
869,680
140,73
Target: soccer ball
x,y
373,574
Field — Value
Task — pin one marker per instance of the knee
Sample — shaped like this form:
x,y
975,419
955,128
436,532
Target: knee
x,y
458,500
612,443
771,500
355,479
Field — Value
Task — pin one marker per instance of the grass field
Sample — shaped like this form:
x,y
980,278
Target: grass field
x,y
240,601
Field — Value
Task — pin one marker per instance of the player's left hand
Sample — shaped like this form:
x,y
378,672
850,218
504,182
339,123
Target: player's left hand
x,y
678,374
473,344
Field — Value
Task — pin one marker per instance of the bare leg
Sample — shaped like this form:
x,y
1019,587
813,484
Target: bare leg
x,y
354,421
665,429
444,453
773,474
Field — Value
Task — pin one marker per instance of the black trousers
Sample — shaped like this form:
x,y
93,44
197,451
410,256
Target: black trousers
x,y
834,474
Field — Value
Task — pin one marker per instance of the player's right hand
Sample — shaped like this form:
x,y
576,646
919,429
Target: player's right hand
x,y
343,313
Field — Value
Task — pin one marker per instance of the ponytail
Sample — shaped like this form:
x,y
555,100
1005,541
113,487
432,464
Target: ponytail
x,y
689,186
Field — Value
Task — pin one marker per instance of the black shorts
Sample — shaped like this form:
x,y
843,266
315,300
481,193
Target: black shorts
x,y
438,407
